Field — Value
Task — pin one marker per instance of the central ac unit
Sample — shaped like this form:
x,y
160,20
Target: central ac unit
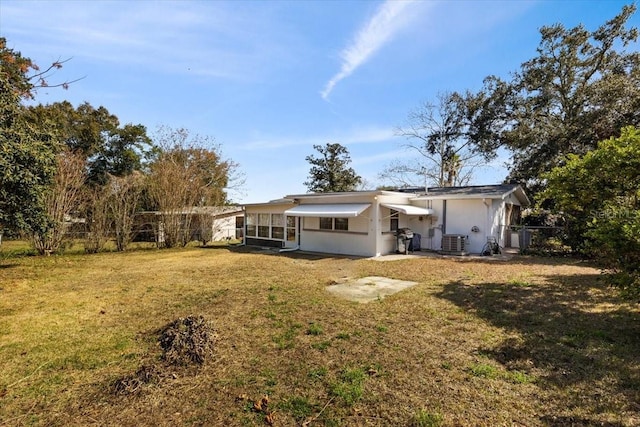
x,y
455,244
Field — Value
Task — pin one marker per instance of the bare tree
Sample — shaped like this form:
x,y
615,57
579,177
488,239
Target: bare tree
x,y
438,134
97,218
124,194
61,200
186,176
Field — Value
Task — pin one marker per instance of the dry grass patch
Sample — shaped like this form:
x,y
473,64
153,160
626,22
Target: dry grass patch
x,y
529,342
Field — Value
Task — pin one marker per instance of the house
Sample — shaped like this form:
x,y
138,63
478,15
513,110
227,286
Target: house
x,y
210,223
365,223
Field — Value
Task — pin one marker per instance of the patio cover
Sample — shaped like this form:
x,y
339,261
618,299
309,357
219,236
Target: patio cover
x,y
409,209
346,210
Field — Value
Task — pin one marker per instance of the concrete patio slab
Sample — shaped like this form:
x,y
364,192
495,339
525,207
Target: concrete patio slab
x,y
367,289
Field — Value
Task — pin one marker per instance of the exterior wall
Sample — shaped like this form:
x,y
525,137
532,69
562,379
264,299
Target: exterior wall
x,y
369,234
356,241
224,228
464,214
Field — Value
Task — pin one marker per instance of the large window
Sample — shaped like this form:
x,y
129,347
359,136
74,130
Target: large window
x,y
263,225
341,224
270,226
277,226
251,224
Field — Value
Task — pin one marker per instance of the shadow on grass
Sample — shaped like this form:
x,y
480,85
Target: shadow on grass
x,y
579,340
297,254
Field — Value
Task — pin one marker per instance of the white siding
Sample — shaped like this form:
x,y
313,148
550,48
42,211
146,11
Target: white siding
x,y
462,215
224,228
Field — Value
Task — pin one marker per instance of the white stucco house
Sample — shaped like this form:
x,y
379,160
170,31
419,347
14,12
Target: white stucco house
x,y
364,223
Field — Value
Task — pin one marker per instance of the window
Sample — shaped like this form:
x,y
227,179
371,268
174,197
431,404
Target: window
x,y
341,224
239,227
394,220
251,224
326,223
269,226
291,229
263,225
277,226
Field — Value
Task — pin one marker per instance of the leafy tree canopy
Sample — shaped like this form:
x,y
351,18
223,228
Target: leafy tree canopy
x,y
97,134
27,153
581,88
330,171
599,194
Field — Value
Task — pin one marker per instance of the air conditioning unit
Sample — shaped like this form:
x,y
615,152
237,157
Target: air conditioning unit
x,y
456,244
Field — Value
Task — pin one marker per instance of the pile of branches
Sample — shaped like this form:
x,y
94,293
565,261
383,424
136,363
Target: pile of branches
x,y
184,342
187,341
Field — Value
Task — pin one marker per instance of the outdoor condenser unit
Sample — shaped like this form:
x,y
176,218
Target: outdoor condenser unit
x,y
455,244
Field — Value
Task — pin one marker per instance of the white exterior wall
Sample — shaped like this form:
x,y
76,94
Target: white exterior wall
x,y
462,215
358,240
224,228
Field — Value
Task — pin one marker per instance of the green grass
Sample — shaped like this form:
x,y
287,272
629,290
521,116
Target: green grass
x,y
533,341
423,418
349,386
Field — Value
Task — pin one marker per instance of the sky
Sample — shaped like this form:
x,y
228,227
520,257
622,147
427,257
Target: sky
x,y
267,80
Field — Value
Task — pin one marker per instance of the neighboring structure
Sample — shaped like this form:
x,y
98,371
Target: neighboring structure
x,y
453,219
212,223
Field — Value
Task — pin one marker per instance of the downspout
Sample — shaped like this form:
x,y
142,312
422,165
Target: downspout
x,y
444,217
486,221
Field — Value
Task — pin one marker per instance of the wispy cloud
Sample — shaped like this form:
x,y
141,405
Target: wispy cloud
x,y
378,31
366,135
212,39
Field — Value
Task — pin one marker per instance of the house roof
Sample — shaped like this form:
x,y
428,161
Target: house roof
x,y
500,191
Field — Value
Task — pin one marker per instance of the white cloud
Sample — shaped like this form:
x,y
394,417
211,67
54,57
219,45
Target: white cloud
x,y
214,39
378,31
366,135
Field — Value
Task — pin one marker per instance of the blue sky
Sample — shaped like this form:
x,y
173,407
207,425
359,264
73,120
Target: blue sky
x,y
269,79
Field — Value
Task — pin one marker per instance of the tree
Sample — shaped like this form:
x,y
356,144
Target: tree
x,y
110,149
330,172
62,200
581,88
599,195
24,77
440,135
123,195
97,217
27,152
186,176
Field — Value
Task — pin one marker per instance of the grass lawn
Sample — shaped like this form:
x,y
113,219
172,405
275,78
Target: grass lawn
x,y
528,342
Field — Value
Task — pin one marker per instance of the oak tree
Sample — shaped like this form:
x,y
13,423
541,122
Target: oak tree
x,y
583,86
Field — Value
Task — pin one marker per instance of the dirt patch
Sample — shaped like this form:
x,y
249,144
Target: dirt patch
x,y
368,289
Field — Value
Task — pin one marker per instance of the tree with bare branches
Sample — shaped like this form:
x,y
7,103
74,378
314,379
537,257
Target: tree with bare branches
x,y
62,199
186,176
98,220
439,136
124,193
